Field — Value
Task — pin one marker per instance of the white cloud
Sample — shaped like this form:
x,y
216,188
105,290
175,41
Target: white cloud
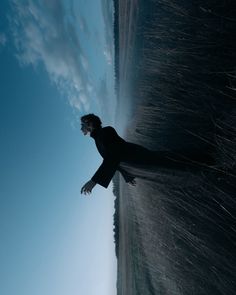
x,y
107,13
108,55
84,62
3,39
108,105
43,33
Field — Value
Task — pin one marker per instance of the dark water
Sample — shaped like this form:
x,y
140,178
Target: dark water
x,y
176,230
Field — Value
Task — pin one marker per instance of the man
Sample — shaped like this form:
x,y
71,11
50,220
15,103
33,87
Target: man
x,y
109,145
115,151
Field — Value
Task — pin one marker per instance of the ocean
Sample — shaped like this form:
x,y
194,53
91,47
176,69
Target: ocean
x,y
175,231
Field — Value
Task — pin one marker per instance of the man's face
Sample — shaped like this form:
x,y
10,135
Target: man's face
x,y
86,127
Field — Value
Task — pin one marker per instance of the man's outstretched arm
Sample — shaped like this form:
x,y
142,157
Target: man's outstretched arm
x,y
105,172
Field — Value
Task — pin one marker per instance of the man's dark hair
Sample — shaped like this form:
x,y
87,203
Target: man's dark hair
x,y
92,118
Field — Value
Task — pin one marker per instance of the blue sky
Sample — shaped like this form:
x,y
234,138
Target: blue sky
x,y
56,65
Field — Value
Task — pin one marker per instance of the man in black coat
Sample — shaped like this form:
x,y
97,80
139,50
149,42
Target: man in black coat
x,y
115,151
111,147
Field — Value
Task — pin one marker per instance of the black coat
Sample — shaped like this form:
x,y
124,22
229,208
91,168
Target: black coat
x,y
115,150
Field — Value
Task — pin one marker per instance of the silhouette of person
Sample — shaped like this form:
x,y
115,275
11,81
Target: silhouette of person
x,y
115,150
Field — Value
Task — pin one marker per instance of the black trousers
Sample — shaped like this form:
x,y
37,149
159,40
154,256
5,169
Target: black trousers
x,y
138,155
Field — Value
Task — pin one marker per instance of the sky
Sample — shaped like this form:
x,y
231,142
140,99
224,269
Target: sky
x,y
57,64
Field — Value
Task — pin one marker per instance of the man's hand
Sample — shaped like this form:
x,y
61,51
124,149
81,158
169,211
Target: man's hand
x,y
87,188
132,182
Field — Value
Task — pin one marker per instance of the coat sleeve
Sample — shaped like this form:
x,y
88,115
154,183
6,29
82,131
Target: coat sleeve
x,y
111,161
105,172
